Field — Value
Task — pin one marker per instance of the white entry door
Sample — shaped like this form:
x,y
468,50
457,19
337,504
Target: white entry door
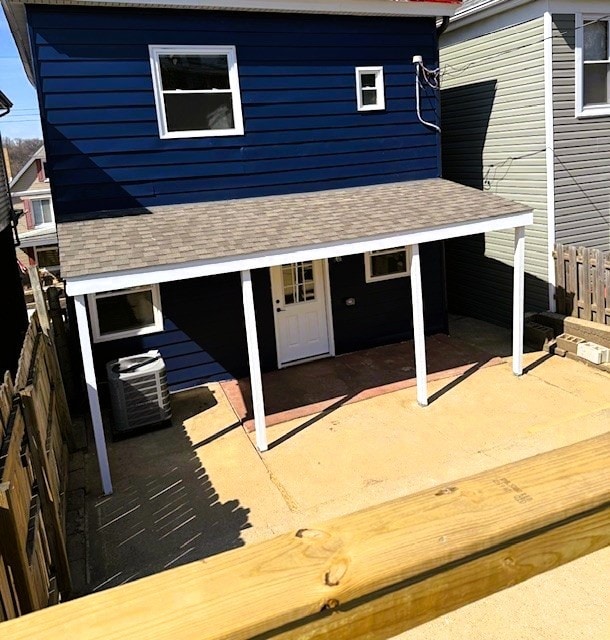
x,y
299,305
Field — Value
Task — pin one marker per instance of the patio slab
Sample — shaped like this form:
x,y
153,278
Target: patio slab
x,y
200,487
323,385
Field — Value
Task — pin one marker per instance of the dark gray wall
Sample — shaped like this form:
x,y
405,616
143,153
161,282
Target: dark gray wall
x,y
582,153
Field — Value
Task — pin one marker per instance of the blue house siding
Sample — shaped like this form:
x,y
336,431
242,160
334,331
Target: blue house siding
x,y
204,337
382,313
302,128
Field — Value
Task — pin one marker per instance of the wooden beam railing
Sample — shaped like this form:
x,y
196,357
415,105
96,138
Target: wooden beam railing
x,y
370,574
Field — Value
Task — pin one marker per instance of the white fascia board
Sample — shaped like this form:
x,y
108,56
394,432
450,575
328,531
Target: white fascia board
x,y
486,22
15,12
96,283
582,6
352,7
38,155
31,193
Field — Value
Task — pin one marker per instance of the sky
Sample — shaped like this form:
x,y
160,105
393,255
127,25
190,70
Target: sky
x,y
23,121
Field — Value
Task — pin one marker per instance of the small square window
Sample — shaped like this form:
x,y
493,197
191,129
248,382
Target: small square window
x,y
370,92
387,264
592,65
196,91
125,313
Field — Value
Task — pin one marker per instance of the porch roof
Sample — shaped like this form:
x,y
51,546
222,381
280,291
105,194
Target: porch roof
x,y
116,249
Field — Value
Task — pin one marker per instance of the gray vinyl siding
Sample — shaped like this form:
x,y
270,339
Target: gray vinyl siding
x,y
5,204
493,136
582,153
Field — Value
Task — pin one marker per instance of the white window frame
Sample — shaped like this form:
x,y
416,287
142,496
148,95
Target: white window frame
x,y
44,225
583,111
368,272
55,268
117,335
156,50
379,88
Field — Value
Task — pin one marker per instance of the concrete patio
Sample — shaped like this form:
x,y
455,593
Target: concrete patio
x,y
200,487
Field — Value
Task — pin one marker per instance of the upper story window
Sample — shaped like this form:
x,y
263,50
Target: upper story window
x,y
370,93
42,212
196,91
386,264
592,39
45,175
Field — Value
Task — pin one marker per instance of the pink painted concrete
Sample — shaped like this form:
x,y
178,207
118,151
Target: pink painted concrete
x,y
323,385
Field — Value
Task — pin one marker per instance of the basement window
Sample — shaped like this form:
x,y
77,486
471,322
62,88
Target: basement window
x,y
125,313
196,91
370,93
387,264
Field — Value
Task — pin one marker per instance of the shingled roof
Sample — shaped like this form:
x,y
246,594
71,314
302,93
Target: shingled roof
x,y
173,235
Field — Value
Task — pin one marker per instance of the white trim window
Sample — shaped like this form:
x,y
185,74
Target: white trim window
x,y
592,40
387,264
42,212
196,91
370,91
125,313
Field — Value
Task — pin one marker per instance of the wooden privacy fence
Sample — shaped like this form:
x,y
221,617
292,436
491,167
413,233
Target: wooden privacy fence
x,y
34,430
582,283
366,575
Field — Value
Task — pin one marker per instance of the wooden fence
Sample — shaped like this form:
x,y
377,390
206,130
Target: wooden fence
x,y
582,283
34,432
366,575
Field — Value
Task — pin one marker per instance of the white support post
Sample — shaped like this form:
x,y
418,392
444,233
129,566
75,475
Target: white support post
x,y
417,302
92,393
518,300
256,380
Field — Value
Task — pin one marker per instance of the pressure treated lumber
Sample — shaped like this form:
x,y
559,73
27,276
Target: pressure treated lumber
x,y
370,574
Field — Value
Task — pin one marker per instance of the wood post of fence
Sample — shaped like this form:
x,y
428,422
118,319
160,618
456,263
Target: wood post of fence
x,y
50,330
60,338
582,277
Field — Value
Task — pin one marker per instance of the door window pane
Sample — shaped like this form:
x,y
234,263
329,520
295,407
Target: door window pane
x,y
298,281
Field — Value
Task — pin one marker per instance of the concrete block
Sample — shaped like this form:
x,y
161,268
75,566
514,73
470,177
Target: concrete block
x,y
560,352
537,335
590,331
592,352
568,343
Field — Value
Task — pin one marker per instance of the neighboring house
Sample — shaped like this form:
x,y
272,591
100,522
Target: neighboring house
x,y
526,115
248,190
14,313
31,194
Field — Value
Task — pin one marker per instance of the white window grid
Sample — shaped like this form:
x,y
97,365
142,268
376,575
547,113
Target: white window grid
x,y
379,89
156,51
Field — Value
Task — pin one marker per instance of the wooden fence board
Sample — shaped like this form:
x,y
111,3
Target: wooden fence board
x,y
582,283
354,576
33,479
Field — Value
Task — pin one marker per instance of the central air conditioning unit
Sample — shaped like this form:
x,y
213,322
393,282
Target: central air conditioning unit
x,y
139,394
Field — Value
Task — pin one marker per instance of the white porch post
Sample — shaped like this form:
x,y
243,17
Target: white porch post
x,y
256,380
518,299
94,400
418,327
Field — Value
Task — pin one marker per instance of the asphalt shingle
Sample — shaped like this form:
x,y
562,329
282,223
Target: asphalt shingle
x,y
168,235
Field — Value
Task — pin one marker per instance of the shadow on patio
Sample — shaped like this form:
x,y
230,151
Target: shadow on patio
x,y
164,511
322,386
